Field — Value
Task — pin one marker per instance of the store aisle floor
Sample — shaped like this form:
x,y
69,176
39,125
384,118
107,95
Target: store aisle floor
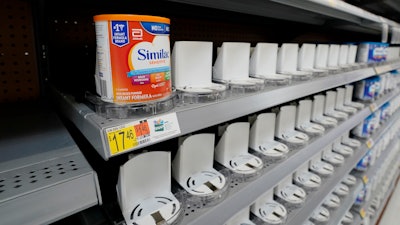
x,y
391,214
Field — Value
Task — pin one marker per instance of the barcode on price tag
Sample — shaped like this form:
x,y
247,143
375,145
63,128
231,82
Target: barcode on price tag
x,y
142,132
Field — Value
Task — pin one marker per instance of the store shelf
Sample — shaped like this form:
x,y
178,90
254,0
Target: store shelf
x,y
316,199
243,195
43,175
386,67
371,173
386,199
317,12
194,117
345,205
358,219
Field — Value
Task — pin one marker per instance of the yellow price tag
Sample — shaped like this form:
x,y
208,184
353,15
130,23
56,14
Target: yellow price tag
x,y
373,107
122,139
370,143
365,179
362,213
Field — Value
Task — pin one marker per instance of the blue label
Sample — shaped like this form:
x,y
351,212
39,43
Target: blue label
x,y
119,33
156,28
148,71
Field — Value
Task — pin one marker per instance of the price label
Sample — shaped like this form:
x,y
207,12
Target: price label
x,y
362,213
142,131
370,143
365,179
122,139
383,69
131,135
373,107
333,3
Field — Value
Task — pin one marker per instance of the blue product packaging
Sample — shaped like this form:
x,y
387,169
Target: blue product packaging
x,y
365,89
370,52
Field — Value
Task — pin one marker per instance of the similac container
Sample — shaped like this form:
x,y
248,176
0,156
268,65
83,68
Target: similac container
x,y
133,58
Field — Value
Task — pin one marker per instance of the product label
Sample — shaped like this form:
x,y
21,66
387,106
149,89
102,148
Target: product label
x,y
137,57
119,33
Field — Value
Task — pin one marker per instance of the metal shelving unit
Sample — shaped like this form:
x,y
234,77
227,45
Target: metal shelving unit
x,y
308,11
358,219
374,169
347,204
316,199
386,199
44,176
194,117
245,194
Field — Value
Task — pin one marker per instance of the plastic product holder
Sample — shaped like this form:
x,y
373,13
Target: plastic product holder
x,y
331,157
287,62
193,169
305,179
306,60
341,190
329,109
349,180
317,113
320,215
232,152
303,119
242,218
321,58
347,218
308,223
343,54
332,201
339,103
351,142
348,98
232,68
191,70
263,62
351,57
341,149
262,140
285,128
289,194
333,58
323,169
131,110
144,190
267,211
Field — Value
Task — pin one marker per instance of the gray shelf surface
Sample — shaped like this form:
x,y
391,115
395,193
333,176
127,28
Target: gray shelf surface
x,y
316,199
358,219
308,11
194,117
372,171
387,197
346,205
244,194
43,175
